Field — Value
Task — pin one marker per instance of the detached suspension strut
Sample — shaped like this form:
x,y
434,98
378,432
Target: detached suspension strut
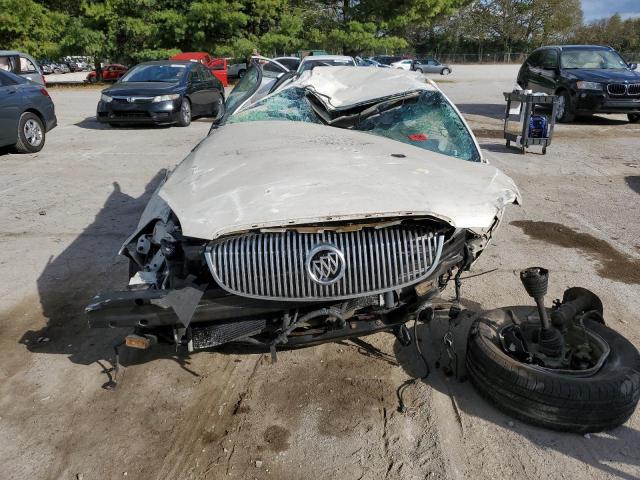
x,y
535,281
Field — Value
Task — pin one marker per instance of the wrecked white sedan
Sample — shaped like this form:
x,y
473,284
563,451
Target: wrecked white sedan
x,y
340,202
332,207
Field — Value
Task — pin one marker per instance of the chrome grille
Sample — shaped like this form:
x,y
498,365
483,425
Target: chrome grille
x,y
273,265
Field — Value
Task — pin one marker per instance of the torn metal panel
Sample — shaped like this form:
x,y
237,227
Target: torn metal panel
x,y
183,302
348,87
293,173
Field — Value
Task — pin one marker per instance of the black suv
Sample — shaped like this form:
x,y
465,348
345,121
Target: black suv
x,y
588,78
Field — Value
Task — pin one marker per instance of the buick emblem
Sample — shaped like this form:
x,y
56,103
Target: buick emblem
x,y
325,264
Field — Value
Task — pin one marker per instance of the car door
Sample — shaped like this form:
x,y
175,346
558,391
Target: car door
x,y
432,66
212,95
10,103
531,77
198,91
549,69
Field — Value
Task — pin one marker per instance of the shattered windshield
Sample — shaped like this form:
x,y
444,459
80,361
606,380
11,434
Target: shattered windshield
x,y
290,104
428,122
423,119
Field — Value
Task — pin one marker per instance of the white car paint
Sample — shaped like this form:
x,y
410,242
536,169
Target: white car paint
x,y
402,64
276,173
346,60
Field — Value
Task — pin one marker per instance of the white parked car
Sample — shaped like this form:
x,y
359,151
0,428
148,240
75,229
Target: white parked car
x,y
403,64
338,202
312,61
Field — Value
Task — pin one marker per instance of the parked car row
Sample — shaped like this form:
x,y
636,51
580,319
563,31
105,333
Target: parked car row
x,y
61,66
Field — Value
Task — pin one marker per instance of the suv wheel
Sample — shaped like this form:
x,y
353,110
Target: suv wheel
x,y
634,117
419,70
445,71
31,133
564,111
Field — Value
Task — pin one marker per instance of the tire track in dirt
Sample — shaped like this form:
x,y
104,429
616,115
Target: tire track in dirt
x,y
207,417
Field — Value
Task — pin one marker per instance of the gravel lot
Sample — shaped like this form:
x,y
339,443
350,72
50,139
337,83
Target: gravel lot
x,y
322,412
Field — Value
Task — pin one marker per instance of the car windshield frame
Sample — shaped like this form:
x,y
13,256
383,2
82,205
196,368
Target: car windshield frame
x,y
132,75
570,59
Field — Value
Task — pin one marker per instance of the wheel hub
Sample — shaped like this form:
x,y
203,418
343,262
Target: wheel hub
x,y
33,133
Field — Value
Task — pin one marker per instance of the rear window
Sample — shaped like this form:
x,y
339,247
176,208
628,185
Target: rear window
x,y
9,63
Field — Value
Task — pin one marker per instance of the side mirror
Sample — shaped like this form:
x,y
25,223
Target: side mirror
x,y
633,66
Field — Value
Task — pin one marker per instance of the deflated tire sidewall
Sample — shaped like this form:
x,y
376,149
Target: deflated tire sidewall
x,y
561,402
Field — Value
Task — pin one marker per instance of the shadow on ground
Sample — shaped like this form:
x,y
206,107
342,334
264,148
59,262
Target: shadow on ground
x,y
489,110
90,264
604,448
633,183
91,123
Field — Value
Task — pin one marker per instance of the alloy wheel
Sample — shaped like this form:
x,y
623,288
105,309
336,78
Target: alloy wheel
x,y
185,111
33,132
560,107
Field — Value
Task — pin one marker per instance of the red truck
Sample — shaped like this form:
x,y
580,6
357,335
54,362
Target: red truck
x,y
217,66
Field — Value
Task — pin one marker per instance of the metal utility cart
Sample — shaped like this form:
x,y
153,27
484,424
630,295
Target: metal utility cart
x,y
527,136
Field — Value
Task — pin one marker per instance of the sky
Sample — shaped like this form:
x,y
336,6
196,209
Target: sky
x,y
595,9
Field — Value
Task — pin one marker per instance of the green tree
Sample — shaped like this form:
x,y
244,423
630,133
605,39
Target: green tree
x,y
28,26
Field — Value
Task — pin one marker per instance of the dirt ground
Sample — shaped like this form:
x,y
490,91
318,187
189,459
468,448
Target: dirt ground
x,y
322,412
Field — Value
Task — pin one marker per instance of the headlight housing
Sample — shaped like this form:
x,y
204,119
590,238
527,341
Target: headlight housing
x,y
165,98
106,98
582,85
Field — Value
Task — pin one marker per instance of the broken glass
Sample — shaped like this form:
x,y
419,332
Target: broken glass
x,y
290,104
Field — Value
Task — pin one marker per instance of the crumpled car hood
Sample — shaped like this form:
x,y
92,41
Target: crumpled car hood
x,y
268,174
345,87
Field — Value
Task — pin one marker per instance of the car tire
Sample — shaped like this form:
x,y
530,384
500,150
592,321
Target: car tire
x,y
565,113
633,117
184,116
93,79
219,108
241,73
31,133
552,400
419,70
445,71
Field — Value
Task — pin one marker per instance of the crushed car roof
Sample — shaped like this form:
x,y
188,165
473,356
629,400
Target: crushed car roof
x,y
348,86
293,173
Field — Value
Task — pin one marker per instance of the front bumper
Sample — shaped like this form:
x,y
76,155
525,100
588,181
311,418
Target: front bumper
x,y
120,112
160,308
601,102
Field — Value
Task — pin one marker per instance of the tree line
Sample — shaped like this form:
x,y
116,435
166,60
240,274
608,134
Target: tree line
x,y
136,30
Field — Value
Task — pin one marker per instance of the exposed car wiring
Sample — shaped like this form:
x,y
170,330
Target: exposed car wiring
x,y
402,406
